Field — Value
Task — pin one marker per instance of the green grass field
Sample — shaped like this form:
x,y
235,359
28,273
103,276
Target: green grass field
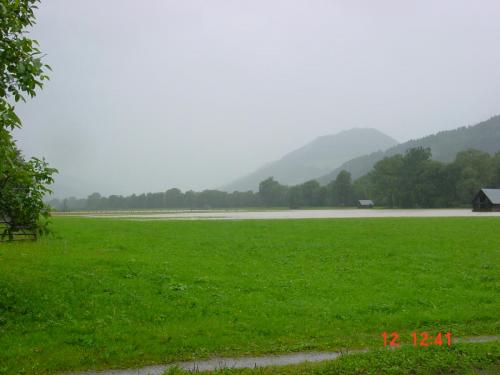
x,y
108,293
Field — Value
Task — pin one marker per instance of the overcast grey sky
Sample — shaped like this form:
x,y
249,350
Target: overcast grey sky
x,y
147,95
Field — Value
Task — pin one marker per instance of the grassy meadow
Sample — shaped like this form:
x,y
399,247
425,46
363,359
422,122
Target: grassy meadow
x,y
104,293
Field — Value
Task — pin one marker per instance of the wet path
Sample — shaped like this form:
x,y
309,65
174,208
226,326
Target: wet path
x,y
251,362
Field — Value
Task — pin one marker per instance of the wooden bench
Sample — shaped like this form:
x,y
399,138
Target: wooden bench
x,y
20,233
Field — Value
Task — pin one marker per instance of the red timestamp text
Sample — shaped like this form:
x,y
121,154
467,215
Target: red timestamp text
x,y
418,339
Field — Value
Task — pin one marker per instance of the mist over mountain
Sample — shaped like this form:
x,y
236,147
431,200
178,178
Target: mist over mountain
x,y
444,145
316,158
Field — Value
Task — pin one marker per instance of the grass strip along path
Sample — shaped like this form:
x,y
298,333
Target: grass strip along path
x,y
107,293
483,359
485,356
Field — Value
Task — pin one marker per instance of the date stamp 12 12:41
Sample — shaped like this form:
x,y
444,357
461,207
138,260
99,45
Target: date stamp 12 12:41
x,y
418,339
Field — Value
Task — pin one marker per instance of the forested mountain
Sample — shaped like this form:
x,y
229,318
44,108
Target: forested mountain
x,y
316,158
444,146
409,180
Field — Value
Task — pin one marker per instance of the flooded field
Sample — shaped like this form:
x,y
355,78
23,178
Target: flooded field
x,y
283,214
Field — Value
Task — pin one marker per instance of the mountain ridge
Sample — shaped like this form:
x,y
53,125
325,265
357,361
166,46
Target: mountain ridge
x,y
484,136
324,153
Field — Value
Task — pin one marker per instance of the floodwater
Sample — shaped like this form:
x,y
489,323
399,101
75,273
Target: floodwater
x,y
286,214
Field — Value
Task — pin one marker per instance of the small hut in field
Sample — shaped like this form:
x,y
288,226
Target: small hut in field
x,y
365,203
486,200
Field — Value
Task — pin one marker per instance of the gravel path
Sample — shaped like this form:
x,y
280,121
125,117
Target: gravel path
x,y
251,362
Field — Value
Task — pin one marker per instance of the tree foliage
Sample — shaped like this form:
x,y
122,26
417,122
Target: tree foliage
x,y
409,180
415,180
272,192
342,190
23,183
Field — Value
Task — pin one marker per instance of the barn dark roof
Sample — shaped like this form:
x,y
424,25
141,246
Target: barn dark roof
x,y
493,195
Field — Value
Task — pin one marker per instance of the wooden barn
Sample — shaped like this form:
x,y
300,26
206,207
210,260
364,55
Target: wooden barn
x,y
487,200
365,203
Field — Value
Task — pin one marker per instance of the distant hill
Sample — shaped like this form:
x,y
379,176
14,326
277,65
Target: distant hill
x,y
316,158
484,136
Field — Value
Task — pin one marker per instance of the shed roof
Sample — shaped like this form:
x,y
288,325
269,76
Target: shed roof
x,y
493,195
365,202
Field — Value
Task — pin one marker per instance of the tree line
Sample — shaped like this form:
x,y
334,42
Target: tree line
x,y
409,180
171,199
